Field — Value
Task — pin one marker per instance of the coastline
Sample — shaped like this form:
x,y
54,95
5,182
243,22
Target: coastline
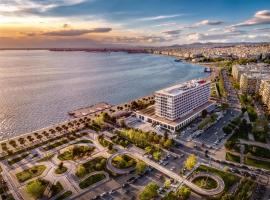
x,y
75,119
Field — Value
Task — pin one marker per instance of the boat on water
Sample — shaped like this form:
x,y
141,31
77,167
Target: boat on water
x,y
207,70
178,60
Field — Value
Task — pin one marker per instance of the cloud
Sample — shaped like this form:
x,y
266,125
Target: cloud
x,y
160,17
77,32
260,17
165,24
14,7
66,26
209,22
172,32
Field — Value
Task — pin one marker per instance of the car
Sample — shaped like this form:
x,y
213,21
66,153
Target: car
x,y
172,168
112,191
165,163
131,179
125,185
103,194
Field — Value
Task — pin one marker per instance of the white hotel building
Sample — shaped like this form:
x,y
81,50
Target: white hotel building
x,y
178,105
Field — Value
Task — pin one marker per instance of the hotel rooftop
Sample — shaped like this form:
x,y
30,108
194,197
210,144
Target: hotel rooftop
x,y
181,88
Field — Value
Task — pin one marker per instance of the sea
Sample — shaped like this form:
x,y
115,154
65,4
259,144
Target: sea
x,y
39,87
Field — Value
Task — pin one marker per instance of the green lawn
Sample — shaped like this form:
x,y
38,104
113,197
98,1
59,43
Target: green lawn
x,y
104,142
56,188
60,170
76,152
233,158
96,164
228,178
46,158
64,195
257,151
30,173
18,159
257,163
37,188
91,180
204,182
123,162
83,141
56,144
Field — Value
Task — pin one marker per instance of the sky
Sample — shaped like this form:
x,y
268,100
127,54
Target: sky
x,y
109,23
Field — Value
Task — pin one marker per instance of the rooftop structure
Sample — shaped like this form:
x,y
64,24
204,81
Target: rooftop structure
x,y
181,88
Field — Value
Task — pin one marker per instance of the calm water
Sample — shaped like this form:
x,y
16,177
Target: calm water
x,y
38,88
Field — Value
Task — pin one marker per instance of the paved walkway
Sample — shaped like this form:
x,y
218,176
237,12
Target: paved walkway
x,y
134,153
259,144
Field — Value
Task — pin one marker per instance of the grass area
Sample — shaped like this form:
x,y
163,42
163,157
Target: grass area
x,y
207,120
7,196
123,162
46,158
96,164
18,159
56,144
29,148
205,183
37,188
56,188
76,152
104,142
257,163
30,173
228,178
60,170
233,158
120,141
257,151
64,195
83,141
91,180
145,139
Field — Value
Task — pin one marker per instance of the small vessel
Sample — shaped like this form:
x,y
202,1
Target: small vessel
x,y
178,60
207,70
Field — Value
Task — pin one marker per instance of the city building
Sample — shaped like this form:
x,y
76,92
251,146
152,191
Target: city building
x,y
178,105
250,82
264,92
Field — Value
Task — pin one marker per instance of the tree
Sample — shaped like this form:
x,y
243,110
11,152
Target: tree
x,y
183,193
156,155
149,192
167,183
227,130
168,143
148,149
190,162
61,165
140,166
81,171
204,113
36,188
110,147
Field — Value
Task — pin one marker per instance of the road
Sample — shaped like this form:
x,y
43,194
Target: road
x,y
213,192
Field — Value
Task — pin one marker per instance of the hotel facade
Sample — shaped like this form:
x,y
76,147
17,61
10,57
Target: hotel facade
x,y
178,105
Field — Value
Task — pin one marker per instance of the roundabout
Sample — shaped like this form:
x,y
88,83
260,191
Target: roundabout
x,y
114,166
209,182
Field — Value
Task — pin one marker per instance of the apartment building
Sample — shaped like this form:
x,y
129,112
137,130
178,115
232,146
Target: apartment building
x,y
264,92
250,82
